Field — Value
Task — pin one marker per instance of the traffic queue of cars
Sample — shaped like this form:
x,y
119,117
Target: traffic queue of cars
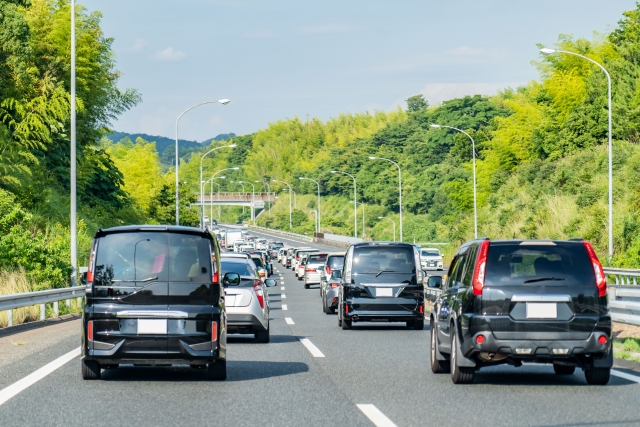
x,y
165,295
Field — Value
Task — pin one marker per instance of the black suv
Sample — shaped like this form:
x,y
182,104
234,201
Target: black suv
x,y
521,301
154,297
381,282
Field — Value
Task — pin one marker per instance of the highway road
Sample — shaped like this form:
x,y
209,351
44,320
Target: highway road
x,y
312,373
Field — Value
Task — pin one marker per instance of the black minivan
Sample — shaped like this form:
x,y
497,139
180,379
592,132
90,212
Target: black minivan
x,y
381,282
154,297
515,301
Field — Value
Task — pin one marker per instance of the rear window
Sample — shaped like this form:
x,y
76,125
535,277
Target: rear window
x,y
151,256
242,268
387,259
317,259
336,262
430,252
257,261
524,264
277,245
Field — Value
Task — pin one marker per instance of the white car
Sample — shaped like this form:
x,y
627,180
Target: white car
x,y
431,259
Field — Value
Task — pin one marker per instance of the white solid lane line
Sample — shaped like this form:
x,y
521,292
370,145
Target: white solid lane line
x,y
29,380
315,351
283,296
375,416
289,321
634,378
284,307
282,288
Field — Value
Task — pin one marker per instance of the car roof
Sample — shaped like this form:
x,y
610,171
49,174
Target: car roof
x,y
381,244
240,255
152,228
337,254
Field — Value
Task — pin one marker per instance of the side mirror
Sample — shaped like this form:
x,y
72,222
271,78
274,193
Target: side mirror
x,y
270,283
83,279
231,279
434,282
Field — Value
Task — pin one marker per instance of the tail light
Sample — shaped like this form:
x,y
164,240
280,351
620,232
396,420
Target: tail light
x,y
90,330
335,285
310,270
214,331
346,308
92,258
216,277
480,339
257,287
421,309
601,279
262,274
327,269
602,339
480,268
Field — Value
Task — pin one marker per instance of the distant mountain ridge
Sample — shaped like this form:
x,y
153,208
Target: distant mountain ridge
x,y
162,142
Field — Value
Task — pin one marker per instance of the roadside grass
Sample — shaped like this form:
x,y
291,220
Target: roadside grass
x,y
14,282
627,348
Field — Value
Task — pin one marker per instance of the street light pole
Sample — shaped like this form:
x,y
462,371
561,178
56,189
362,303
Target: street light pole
x,y
399,186
202,188
475,196
210,181
253,198
394,226
72,154
220,101
315,211
355,203
318,213
364,234
240,182
235,168
547,51
290,191
268,193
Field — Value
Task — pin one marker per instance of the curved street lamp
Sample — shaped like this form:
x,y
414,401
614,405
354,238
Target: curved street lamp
x,y
235,168
240,182
220,101
210,181
475,197
290,190
268,193
202,187
399,186
355,203
394,225
253,198
302,178
548,51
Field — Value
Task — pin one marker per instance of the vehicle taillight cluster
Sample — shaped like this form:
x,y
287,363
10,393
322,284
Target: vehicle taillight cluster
x,y
601,279
257,287
480,268
214,331
328,270
92,261
90,330
335,285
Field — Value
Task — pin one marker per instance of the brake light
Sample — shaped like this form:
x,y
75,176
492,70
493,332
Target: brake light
x,y
346,308
257,287
214,331
602,339
310,270
216,277
328,270
601,279
421,309
90,330
335,285
479,270
480,339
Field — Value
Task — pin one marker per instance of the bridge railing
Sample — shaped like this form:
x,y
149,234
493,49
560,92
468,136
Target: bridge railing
x,y
232,196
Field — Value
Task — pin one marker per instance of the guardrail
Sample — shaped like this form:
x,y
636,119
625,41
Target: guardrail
x,y
25,299
281,233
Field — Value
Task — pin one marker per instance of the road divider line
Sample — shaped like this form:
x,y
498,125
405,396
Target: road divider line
x,y
34,377
289,321
620,374
375,415
315,351
283,296
282,288
284,307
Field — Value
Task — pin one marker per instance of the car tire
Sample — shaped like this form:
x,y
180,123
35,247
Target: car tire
x,y
306,286
217,371
346,324
459,374
437,366
262,337
332,310
418,325
90,370
597,376
563,369
325,309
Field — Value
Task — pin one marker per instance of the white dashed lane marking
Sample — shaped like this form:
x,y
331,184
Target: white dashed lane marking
x,y
289,321
620,374
315,351
284,307
375,415
282,288
283,296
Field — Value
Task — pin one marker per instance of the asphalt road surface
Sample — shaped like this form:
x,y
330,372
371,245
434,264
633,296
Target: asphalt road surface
x,y
312,373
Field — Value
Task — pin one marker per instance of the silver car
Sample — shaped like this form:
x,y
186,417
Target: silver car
x,y
260,267
313,269
246,299
330,290
335,261
303,254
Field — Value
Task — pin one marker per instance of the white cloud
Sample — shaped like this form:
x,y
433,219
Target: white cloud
x,y
438,92
152,124
138,45
260,35
464,50
326,29
170,54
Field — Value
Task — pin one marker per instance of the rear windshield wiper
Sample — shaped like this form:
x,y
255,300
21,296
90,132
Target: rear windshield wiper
x,y
542,279
385,271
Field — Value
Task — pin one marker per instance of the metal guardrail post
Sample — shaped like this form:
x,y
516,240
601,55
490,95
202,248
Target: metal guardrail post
x,y
43,312
56,312
9,317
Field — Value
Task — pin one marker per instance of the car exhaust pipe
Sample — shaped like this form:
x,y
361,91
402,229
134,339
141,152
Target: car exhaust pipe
x,y
354,318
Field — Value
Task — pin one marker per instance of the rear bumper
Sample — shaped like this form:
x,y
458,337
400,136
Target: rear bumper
x,y
384,310
121,353
244,322
331,297
311,278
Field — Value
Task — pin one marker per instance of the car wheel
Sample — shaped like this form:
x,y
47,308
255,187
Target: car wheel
x,y
262,337
437,366
346,324
459,375
306,286
563,369
597,376
90,370
418,325
332,310
324,307
217,371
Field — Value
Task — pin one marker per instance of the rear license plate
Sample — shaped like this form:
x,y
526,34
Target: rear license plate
x,y
542,310
152,326
384,292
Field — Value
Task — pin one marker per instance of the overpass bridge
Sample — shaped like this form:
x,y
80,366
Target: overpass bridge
x,y
224,198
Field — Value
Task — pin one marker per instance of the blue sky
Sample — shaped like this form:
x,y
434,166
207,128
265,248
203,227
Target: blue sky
x,y
305,58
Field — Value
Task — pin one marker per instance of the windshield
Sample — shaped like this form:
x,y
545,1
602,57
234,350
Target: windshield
x,y
152,256
242,268
559,263
336,262
317,259
430,252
